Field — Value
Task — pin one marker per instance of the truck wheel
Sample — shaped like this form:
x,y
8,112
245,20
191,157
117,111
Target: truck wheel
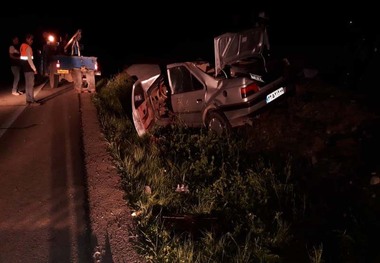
x,y
90,80
54,80
77,78
217,122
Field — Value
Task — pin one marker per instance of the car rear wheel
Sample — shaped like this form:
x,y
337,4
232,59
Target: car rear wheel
x,y
217,122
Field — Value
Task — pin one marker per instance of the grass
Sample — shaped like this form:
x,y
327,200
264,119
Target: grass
x,y
239,202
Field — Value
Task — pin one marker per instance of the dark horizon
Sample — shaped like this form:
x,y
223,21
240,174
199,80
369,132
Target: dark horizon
x,y
188,33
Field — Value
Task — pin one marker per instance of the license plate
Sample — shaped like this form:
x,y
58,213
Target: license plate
x,y
275,94
62,71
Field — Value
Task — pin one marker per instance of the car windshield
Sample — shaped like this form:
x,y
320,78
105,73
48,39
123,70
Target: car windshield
x,y
138,96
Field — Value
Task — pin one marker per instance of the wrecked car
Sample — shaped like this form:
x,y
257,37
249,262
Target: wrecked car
x,y
242,81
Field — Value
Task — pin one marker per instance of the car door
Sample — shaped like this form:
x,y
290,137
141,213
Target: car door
x,y
188,95
142,110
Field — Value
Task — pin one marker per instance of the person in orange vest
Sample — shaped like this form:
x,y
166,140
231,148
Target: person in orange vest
x,y
28,67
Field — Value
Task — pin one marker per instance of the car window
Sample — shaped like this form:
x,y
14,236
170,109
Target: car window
x,y
183,81
138,96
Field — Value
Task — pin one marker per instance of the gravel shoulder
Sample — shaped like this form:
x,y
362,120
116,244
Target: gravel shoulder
x,y
110,216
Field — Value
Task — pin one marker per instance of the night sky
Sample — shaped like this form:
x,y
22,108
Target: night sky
x,y
119,36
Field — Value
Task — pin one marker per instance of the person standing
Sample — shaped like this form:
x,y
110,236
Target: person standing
x,y
28,67
14,56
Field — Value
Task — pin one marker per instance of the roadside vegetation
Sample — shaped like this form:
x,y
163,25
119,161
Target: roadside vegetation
x,y
198,197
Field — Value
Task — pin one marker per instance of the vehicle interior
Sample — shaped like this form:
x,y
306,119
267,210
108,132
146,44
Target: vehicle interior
x,y
160,98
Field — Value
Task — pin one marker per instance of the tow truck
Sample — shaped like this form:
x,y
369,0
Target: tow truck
x,y
64,61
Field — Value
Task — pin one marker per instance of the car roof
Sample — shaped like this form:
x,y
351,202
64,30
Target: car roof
x,y
143,71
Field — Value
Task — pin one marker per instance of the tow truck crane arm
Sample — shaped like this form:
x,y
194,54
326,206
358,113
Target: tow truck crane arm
x,y
74,42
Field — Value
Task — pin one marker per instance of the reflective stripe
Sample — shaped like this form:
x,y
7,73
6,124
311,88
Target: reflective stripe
x,y
24,57
23,51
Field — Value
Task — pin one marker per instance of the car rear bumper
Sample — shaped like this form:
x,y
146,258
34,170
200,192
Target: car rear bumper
x,y
237,112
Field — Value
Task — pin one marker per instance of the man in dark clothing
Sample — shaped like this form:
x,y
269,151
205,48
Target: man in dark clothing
x,y
14,57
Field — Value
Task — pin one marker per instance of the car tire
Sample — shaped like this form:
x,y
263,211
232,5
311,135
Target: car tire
x,y
291,89
218,123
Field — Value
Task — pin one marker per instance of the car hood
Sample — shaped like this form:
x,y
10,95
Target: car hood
x,y
232,47
146,74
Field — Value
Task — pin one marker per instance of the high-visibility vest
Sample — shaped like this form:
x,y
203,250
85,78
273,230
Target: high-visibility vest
x,y
23,54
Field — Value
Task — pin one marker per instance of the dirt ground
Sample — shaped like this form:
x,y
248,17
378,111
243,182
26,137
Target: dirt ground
x,y
330,125
333,135
335,130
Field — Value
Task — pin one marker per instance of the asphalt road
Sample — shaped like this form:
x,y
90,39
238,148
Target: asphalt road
x,y
43,207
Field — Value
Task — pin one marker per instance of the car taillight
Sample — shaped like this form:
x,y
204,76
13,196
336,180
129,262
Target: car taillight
x,y
249,90
58,65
